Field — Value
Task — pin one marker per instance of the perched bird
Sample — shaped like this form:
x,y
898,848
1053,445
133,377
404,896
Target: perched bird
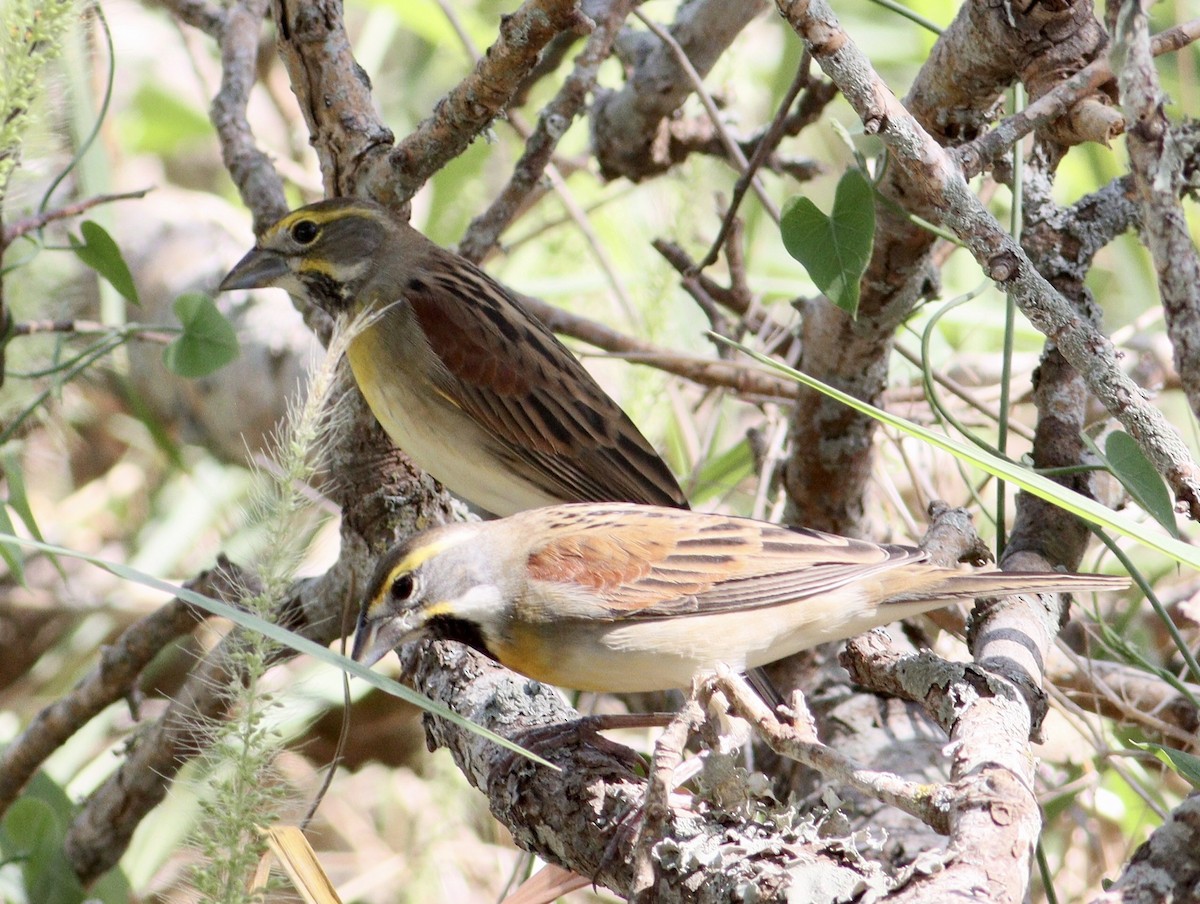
x,y
476,390
616,597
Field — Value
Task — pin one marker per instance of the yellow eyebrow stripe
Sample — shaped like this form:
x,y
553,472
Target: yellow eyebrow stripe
x,y
424,553
408,565
320,217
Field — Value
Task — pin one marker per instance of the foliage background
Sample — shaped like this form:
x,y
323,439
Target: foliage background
x,y
129,462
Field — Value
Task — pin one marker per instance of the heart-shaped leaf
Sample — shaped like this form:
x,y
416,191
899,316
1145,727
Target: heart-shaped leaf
x,y
834,249
207,342
98,250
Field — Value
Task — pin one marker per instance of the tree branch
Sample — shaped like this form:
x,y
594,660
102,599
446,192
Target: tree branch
x,y
938,180
1156,155
1166,867
256,180
630,132
553,122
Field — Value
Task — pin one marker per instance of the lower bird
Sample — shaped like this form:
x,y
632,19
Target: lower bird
x,y
625,598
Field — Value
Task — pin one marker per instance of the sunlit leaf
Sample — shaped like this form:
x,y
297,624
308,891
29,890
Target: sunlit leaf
x,y
834,249
159,122
18,499
721,473
208,341
97,249
8,552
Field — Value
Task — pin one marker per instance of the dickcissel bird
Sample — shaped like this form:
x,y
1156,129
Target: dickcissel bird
x,y
626,598
475,389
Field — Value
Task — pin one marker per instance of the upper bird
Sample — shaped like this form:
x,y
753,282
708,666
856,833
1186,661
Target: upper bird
x,y
475,389
638,598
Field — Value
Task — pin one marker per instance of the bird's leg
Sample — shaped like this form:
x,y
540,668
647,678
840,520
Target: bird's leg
x,y
656,808
545,740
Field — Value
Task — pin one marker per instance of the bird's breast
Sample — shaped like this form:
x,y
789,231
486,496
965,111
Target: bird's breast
x,y
397,374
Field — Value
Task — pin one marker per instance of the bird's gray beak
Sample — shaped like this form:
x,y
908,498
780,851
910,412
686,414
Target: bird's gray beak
x,y
257,270
375,638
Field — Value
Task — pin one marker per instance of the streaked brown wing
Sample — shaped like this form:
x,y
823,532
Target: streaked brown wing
x,y
532,393
657,563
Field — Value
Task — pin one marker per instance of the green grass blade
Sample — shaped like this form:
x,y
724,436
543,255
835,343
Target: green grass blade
x,y
1042,487
281,636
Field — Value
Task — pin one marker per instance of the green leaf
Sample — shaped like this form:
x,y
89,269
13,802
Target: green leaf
x,y
1042,487
1184,764
1130,466
281,636
834,249
18,499
9,553
722,472
98,250
208,341
32,834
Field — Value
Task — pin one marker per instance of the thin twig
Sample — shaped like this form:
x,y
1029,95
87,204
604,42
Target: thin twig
x,y
66,212
90,328
977,155
473,104
656,811
257,181
732,148
553,122
1155,161
208,17
765,147
796,739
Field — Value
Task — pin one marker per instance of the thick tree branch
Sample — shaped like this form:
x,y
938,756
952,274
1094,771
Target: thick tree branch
x,y
470,108
334,94
630,128
1042,529
953,97
981,153
1156,157
353,146
584,817
938,181
256,180
554,120
989,708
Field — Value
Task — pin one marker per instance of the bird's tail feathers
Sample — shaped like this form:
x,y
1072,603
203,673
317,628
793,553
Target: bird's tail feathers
x,y
967,585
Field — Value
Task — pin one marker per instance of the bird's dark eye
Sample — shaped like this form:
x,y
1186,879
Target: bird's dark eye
x,y
403,587
304,232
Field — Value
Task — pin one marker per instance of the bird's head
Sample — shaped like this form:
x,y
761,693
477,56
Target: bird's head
x,y
323,253
436,584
